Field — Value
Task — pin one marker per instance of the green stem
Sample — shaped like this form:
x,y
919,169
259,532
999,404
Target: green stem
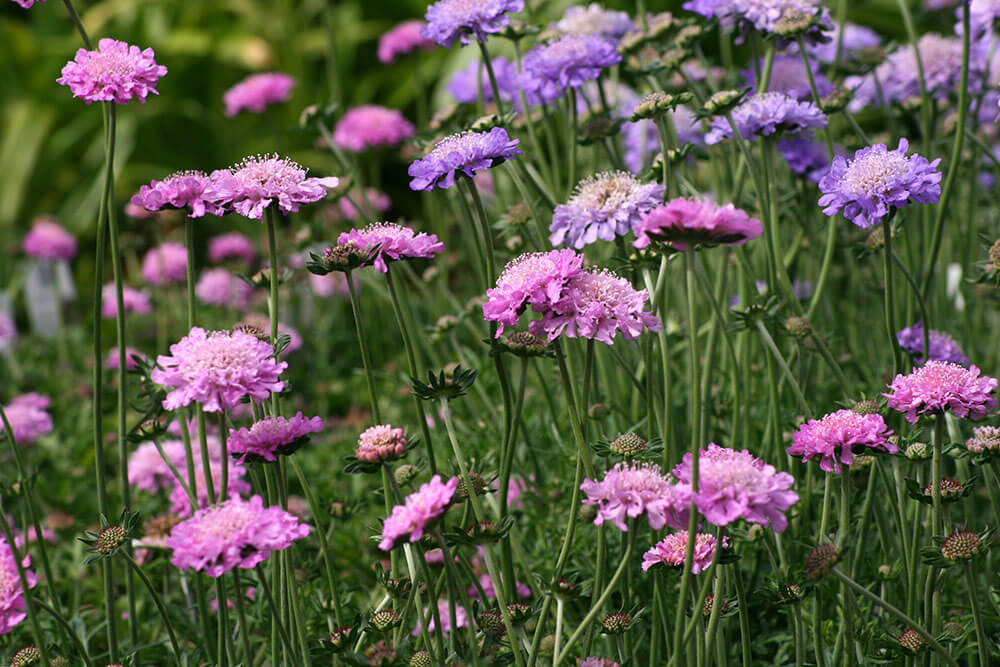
x,y
783,365
314,508
242,617
275,615
77,643
363,344
273,312
977,616
29,599
488,63
575,425
157,601
744,613
890,317
845,522
224,462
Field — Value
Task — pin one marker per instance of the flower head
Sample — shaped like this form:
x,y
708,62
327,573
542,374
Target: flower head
x,y
671,550
148,470
394,242
984,439
789,76
419,509
182,190
593,19
49,240
834,437
630,490
238,486
28,417
942,346
549,69
444,613
604,206
594,661
12,608
380,443
231,246
535,279
271,436
258,181
466,153
684,222
258,91
371,126
940,386
8,331
767,114
165,264
466,83
234,533
135,301
219,287
805,156
114,72
854,38
111,361
761,15
486,583
465,20
401,39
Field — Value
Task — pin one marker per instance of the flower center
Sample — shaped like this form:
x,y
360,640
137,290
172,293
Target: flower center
x,y
873,173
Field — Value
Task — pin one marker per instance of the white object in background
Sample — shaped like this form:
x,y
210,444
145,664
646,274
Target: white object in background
x,y
952,282
64,279
41,295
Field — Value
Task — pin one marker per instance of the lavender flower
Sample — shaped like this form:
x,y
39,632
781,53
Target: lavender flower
x,y
418,510
604,206
942,346
28,417
593,19
115,72
760,15
805,156
671,551
12,605
219,287
789,76
465,20
394,242
684,222
231,246
184,189
549,69
767,114
258,91
466,152
135,301
855,38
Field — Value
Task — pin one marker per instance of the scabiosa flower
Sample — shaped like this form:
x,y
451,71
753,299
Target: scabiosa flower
x,y
942,346
147,469
448,20
401,39
641,140
418,510
466,83
219,287
835,437
394,242
630,490
257,92
604,206
372,199
111,361
568,62
165,264
135,301
984,439
328,285
536,279
47,239
855,37
180,502
789,76
258,181
380,443
27,4
805,156
684,222
594,661
761,15
231,246
486,583
734,485
875,181
767,114
181,190
465,152
271,436
938,386
114,72
461,618
28,418
982,15
8,331
371,126
593,19
11,594
670,551
218,369
235,533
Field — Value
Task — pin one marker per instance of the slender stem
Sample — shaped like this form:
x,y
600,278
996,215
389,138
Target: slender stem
x,y
783,365
488,63
77,643
890,317
29,599
573,122
744,613
363,344
977,616
157,601
314,508
224,449
275,615
484,225
845,523
577,428
407,549
242,618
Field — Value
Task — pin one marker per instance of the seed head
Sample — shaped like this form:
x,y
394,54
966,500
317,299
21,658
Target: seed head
x,y
491,623
616,624
421,659
875,239
793,23
519,612
340,638
821,559
961,545
911,641
405,474
836,100
798,326
381,654
706,608
995,255
598,411
628,445
384,620
548,644
519,214
866,406
723,101
477,482
917,451
28,655
950,488
110,539
524,344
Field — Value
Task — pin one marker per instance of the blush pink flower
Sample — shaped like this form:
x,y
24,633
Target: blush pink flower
x,y
940,386
231,246
111,361
259,181
135,301
148,470
594,661
630,490
330,284
380,443
371,126
28,417
219,287
237,487
670,551
8,331
418,510
698,222
115,72
165,264
835,437
258,91
401,39
486,583
461,618
271,436
12,606
394,242
180,190
536,279
49,240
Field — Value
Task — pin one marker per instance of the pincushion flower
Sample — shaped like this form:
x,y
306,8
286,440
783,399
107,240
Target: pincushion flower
x,y
549,69
736,484
394,242
940,386
985,439
235,533
465,20
47,239
231,246
444,613
165,264
467,83
28,417
401,39
594,661
181,190
147,469
983,14
767,114
805,156
262,180
593,19
111,361
27,4
135,301
418,510
486,583
272,436
603,207
466,153
670,551
257,92
789,76
371,199
371,126
876,181
115,72
696,222
535,279
631,490
760,15
836,436
380,443
219,287
12,605
218,369
942,346
855,37
237,486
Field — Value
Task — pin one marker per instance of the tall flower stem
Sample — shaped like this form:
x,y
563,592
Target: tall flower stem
x,y
29,600
242,617
977,616
488,64
416,592
224,450
568,384
272,303
573,122
890,304
506,465
359,326
275,615
157,601
845,525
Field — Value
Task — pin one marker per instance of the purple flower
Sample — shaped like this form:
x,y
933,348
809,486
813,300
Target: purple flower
x,y
380,443
789,76
49,240
184,189
593,19
855,37
835,437
147,470
12,606
672,549
371,126
401,39
630,490
875,181
135,301
26,4
235,533
28,417
180,502
467,82
940,386
218,369
448,20
466,152
257,92
767,114
684,222
982,15
219,287
942,346
805,156
549,69
604,206
761,15
231,246
594,661
257,182
375,200
418,510
394,242
271,436
165,264
114,72
444,613
535,279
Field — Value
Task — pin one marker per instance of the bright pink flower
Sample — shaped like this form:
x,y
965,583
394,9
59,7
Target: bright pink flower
x,y
231,246
135,301
683,222
461,618
630,490
181,190
148,471
180,502
834,437
486,583
938,386
49,240
114,72
671,550
328,285
165,264
394,242
11,594
380,443
28,418
536,279
594,661
258,91
420,508
219,287
257,182
371,126
111,361
271,436
400,39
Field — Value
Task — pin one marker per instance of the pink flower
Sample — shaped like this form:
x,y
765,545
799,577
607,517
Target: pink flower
x,y
537,279
111,361
218,369
271,436
135,301
671,550
49,240
181,190
938,386
516,487
27,4
258,321
418,510
834,437
235,533
237,486
486,583
114,72
593,661
371,200
165,264
219,287
380,443
328,285
257,182
734,485
461,618
630,490
371,126
28,418
8,330
148,471
400,39
394,242
231,246
683,222
11,594
258,91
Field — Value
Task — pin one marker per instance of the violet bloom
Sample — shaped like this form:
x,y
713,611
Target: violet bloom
x,y
218,369
258,181
734,485
380,443
641,140
165,264
789,76
805,156
115,72
603,207
235,533
671,551
28,417
135,301
838,436
593,19
26,4
231,246
182,190
876,181
394,242
855,38
418,510
982,15
111,361
631,490
767,114
371,126
272,436
940,386
535,279
180,501
8,331
47,239
12,605
550,69
401,39
219,287
258,91
486,583
760,15
467,83
466,153
448,20
942,346
696,222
